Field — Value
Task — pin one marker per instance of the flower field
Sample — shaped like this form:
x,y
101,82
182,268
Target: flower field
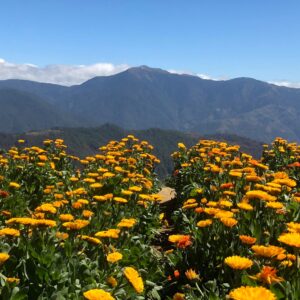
x,y
94,228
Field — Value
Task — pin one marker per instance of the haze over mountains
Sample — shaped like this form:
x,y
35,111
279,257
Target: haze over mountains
x,y
143,97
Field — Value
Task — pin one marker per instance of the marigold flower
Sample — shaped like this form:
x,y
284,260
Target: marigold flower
x,y
46,207
62,235
293,227
286,181
229,222
100,198
191,274
246,239
97,294
260,195
120,200
87,213
4,257
181,146
112,281
251,293
128,223
267,275
224,214
114,257
274,205
4,194
13,280
205,223
110,233
286,263
292,239
9,232
96,185
267,251
14,185
135,279
238,262
245,206
89,239
66,217
76,225
179,296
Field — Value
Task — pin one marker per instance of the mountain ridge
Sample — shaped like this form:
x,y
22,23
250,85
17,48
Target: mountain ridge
x,y
144,97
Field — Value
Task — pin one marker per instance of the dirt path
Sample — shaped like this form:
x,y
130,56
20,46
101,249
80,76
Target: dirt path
x,y
167,194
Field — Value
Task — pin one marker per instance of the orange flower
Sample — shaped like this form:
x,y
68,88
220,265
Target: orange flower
x,y
184,242
176,274
246,239
267,275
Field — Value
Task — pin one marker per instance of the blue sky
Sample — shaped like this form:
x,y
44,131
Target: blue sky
x,y
224,38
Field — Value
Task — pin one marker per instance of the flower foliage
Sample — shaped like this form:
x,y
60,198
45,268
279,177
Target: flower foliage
x,y
93,227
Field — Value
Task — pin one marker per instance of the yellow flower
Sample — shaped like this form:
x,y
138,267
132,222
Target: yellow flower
x,y
66,217
293,227
175,238
205,223
181,146
97,294
251,293
87,213
13,280
286,181
246,239
114,257
126,193
260,195
76,225
9,231
178,296
191,274
3,257
245,206
61,235
135,188
127,223
267,251
90,239
291,239
46,207
135,279
274,205
96,185
14,185
110,233
229,222
120,200
224,214
286,263
112,281
238,262
100,198
44,222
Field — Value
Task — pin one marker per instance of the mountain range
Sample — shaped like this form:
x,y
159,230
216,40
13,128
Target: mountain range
x,y
143,97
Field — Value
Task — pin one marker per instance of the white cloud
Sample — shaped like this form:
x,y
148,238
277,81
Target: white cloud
x,y
77,74
286,83
203,76
60,74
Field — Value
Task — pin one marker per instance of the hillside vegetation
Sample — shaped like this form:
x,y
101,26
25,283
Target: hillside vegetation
x,y
143,97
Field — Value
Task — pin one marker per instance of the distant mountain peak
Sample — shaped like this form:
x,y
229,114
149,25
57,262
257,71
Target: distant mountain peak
x,y
144,68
